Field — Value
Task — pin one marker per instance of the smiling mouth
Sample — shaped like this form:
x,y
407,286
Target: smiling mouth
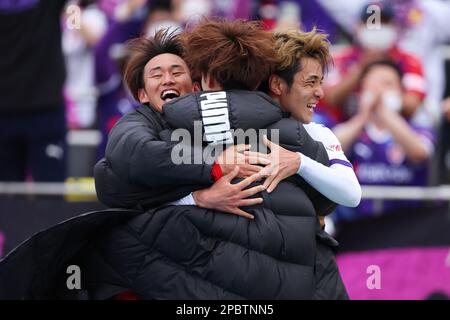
x,y
311,106
168,95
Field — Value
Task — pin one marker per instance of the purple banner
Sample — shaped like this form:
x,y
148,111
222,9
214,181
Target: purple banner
x,y
2,241
400,274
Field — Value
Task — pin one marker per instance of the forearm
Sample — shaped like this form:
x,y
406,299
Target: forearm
x,y
404,135
154,165
349,131
138,155
115,192
337,182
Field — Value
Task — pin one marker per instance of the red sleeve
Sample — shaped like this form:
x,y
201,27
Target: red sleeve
x,y
216,171
413,75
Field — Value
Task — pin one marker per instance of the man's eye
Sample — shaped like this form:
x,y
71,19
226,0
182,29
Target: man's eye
x,y
176,74
156,76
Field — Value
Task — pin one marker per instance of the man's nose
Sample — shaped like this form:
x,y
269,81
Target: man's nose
x,y
319,92
168,78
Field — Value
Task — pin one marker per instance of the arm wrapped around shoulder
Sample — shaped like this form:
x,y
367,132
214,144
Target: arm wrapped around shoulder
x,y
292,135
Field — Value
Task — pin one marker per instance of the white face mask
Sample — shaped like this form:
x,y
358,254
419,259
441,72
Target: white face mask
x,y
381,39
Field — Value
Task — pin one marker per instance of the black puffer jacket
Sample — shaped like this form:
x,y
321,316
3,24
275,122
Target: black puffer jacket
x,y
199,253
182,252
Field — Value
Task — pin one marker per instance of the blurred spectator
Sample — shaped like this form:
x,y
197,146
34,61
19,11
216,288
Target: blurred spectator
x,y
161,16
383,146
110,57
423,28
109,7
232,9
296,14
77,43
190,11
32,115
372,42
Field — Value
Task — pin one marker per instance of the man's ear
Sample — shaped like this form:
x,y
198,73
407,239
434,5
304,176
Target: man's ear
x,y
211,82
275,85
142,95
196,86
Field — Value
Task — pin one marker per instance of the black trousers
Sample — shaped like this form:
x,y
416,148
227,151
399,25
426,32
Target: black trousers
x,y
33,145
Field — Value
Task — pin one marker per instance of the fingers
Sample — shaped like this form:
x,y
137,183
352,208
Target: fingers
x,y
257,154
257,160
274,184
252,191
269,170
242,213
247,181
242,147
250,202
230,176
267,142
269,180
248,169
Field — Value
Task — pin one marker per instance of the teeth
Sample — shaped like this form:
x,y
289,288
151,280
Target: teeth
x,y
165,93
311,105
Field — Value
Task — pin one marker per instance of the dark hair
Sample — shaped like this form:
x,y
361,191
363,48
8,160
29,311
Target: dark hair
x,y
293,45
238,54
141,50
385,63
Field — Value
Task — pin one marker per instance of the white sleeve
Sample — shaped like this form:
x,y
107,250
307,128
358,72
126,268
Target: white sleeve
x,y
337,182
186,201
331,143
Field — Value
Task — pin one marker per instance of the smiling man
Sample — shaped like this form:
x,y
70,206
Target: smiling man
x,y
157,73
297,86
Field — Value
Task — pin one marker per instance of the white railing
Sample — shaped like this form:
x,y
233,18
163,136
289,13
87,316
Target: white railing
x,y
88,189
48,189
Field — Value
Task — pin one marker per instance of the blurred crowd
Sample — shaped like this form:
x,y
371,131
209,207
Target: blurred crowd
x,y
385,94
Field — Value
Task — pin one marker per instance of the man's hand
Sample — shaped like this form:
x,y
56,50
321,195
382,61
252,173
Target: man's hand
x,y
227,197
284,163
248,165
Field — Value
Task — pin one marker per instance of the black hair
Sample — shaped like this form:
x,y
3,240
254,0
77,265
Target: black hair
x,y
385,63
142,50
